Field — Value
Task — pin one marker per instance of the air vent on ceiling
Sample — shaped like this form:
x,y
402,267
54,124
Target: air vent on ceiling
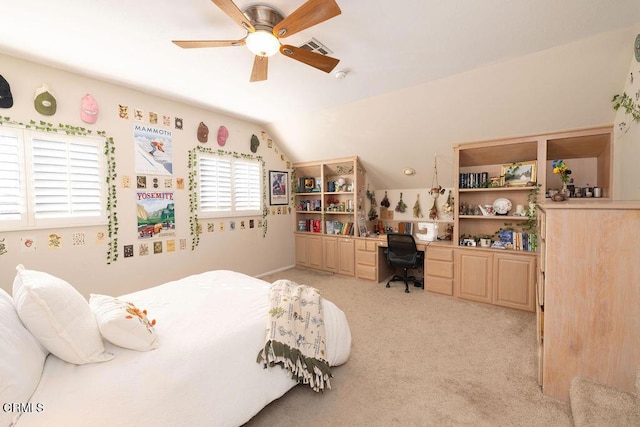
x,y
315,46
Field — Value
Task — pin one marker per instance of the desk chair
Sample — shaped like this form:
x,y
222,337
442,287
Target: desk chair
x,y
402,252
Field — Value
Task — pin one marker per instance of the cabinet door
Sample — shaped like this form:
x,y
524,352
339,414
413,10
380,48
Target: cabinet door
x,y
330,252
346,257
474,275
514,281
314,251
301,250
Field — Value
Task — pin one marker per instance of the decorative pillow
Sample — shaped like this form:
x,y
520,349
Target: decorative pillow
x,y
58,316
21,359
123,324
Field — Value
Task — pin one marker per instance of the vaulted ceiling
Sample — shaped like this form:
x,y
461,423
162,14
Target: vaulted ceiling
x,y
420,74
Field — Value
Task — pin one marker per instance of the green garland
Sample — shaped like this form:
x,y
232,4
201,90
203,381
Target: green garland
x,y
193,186
109,152
626,102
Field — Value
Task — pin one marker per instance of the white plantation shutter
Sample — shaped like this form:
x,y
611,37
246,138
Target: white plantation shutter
x,y
215,184
11,179
50,180
66,179
247,192
229,186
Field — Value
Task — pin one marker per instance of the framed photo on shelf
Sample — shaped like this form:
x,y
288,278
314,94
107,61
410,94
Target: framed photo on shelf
x,y
278,188
518,174
362,227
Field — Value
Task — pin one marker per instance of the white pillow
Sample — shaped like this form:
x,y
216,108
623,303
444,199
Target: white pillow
x,y
123,324
58,316
21,360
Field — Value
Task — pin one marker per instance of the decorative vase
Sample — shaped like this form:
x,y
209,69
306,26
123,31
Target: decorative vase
x,y
562,195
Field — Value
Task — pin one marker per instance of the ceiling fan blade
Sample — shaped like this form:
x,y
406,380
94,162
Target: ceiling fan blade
x,y
316,60
230,8
260,69
311,13
189,44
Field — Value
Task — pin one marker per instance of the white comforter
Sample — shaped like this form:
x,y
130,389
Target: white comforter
x,y
211,327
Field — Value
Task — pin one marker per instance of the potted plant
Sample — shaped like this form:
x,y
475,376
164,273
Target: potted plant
x,y
484,240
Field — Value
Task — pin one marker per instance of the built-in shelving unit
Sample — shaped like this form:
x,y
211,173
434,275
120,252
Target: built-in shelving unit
x,y
329,200
588,152
507,276
329,196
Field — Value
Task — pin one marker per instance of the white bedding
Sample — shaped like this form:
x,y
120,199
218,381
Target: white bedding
x,y
211,327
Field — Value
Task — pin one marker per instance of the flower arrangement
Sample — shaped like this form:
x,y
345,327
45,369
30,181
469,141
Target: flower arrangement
x,y
332,201
561,168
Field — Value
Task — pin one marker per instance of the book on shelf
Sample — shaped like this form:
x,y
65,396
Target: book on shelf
x,y
310,225
473,179
329,227
517,240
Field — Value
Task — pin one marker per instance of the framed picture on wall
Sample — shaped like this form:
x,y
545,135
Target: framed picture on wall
x,y
278,188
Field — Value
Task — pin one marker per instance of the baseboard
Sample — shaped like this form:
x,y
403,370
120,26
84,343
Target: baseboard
x,y
275,271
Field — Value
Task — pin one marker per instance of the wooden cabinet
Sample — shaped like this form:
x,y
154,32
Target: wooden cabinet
x,y
329,199
474,275
509,288
309,251
371,261
588,295
339,255
366,259
507,277
438,270
346,257
498,278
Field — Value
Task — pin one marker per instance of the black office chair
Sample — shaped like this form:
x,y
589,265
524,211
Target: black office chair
x,y
402,252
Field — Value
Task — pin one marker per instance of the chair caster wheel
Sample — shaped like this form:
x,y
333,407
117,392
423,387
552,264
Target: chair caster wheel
x,y
388,285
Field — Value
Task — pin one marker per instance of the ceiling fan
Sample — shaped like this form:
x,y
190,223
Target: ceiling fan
x,y
265,27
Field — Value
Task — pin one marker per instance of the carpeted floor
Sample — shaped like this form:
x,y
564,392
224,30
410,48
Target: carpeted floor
x,y
421,359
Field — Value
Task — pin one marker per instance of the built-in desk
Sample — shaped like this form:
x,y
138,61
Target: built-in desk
x,y
371,262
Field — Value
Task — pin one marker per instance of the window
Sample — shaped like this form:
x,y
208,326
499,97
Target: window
x,y
229,186
50,180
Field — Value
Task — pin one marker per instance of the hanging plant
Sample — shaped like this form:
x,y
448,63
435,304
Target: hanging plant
x,y
373,213
401,206
448,206
433,212
385,201
435,190
417,209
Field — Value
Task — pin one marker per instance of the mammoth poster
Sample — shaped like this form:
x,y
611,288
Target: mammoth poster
x,y
153,150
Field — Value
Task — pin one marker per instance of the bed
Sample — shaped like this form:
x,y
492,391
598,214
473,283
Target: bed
x,y
200,368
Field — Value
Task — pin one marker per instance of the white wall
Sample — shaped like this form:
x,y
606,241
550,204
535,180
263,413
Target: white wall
x,y
562,88
85,266
627,138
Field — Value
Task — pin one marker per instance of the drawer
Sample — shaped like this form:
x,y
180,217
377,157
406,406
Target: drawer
x,y
439,268
366,272
439,285
366,258
366,245
442,254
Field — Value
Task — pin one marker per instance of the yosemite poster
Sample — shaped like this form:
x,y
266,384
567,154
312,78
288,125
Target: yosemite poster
x,y
156,214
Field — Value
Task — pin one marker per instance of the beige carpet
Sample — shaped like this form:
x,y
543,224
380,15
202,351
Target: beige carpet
x,y
421,359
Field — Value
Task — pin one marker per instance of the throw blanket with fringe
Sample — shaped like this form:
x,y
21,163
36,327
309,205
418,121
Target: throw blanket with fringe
x,y
295,337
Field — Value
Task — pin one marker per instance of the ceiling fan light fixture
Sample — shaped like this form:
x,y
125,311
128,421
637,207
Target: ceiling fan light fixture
x,y
262,43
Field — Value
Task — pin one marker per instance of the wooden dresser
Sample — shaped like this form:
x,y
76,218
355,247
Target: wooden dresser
x,y
588,294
